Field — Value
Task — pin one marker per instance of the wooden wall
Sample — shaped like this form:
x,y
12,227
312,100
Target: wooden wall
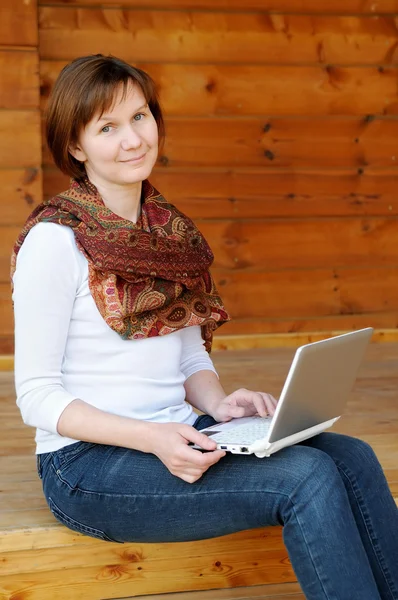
x,y
20,139
282,142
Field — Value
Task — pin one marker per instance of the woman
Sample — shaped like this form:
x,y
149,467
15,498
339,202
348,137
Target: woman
x,y
114,314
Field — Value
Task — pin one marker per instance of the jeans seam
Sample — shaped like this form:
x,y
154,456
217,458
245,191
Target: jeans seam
x,y
161,495
369,530
307,546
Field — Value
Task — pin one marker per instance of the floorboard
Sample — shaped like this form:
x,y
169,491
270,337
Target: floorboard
x,y
282,591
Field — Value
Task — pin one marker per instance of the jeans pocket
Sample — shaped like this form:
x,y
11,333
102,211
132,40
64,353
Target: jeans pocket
x,y
76,526
41,462
66,455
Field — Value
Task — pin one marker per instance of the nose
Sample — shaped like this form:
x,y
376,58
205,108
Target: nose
x,y
130,139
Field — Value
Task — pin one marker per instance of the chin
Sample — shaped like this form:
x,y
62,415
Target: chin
x,y
135,174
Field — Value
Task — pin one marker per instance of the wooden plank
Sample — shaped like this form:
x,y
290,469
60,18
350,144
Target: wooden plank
x,y
204,90
19,79
215,37
8,236
20,139
290,294
296,6
6,361
151,557
6,346
271,245
280,591
278,331
167,576
289,340
302,188
307,142
237,194
6,314
283,301
302,243
18,23
21,191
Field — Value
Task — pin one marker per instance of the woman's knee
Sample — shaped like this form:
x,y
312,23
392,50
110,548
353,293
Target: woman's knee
x,y
354,453
311,469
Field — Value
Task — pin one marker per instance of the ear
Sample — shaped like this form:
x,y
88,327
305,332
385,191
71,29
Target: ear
x,y
77,153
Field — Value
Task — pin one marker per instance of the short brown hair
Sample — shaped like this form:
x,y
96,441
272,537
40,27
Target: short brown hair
x,y
84,87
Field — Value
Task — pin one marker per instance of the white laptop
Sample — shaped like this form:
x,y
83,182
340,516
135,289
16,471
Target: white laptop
x,y
315,393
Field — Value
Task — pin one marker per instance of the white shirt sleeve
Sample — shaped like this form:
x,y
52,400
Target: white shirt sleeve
x,y
45,284
194,356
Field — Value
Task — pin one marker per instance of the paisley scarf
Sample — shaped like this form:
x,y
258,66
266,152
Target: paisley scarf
x,y
147,278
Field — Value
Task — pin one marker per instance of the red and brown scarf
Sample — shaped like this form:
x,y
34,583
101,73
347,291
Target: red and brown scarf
x,y
147,278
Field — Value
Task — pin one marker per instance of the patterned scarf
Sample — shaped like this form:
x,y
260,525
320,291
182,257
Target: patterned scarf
x,y
147,278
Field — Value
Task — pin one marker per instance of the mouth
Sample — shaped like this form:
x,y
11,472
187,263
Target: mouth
x,y
134,160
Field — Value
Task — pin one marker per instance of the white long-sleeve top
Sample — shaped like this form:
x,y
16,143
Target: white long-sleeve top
x,y
64,349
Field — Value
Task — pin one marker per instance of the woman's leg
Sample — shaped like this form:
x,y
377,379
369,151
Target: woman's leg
x,y
372,504
124,495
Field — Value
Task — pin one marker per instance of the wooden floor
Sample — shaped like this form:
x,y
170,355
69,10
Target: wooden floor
x,y
279,591
39,557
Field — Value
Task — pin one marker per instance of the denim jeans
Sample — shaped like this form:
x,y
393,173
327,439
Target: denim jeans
x,y
340,522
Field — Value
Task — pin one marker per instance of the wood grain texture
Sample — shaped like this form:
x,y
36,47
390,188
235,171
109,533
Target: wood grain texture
x,y
274,245
6,314
349,7
288,142
357,188
307,142
216,37
291,293
204,90
279,591
21,191
233,195
19,79
302,243
20,139
278,330
18,23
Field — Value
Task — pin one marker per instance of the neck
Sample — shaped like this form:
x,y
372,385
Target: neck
x,y
124,201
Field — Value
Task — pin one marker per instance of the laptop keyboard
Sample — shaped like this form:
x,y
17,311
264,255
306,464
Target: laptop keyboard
x,y
246,433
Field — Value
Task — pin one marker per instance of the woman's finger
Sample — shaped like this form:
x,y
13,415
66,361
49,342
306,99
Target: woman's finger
x,y
259,403
270,402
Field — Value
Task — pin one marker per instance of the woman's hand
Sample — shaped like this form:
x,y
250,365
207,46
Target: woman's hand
x,y
244,403
169,442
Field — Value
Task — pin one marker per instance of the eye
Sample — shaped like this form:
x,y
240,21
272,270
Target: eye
x,y
139,116
106,129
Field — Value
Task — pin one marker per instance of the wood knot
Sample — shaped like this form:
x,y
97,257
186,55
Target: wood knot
x,y
211,86
267,127
29,199
164,160
45,89
365,227
268,154
30,175
369,118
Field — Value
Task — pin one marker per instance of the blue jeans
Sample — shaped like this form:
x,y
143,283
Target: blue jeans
x,y
340,522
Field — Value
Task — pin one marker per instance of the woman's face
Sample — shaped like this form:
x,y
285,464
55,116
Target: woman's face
x,y
120,147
